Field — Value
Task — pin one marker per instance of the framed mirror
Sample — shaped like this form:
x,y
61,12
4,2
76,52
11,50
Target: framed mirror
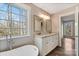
x,y
48,26
37,24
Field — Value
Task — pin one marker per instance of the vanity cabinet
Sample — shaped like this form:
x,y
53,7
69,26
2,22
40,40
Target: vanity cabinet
x,y
46,43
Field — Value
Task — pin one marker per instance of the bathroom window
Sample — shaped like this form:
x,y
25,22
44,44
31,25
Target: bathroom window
x,y
13,20
18,21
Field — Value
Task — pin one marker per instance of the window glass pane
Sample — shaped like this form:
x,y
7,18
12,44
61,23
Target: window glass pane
x,y
23,19
24,13
4,24
24,31
15,32
21,12
23,25
4,32
20,25
7,24
15,24
3,15
21,33
15,17
4,7
15,10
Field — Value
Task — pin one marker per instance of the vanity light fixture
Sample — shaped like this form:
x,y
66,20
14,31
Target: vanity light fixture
x,y
44,16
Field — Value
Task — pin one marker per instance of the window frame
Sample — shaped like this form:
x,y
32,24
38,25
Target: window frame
x,y
28,19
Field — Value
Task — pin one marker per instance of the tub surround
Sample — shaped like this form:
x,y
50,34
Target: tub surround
x,y
16,42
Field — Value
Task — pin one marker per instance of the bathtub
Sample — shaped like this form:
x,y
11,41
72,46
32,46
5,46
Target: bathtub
x,y
28,50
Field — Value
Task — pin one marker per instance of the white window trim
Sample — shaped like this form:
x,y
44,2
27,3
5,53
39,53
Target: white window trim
x,y
29,24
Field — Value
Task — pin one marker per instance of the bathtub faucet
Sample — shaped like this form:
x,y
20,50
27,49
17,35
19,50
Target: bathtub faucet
x,y
9,41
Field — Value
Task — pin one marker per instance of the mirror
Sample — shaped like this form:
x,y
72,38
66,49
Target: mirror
x,y
42,26
48,26
37,24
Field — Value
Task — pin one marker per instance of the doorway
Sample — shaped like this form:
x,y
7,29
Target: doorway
x,y
68,30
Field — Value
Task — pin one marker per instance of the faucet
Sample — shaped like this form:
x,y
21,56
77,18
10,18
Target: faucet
x,y
9,41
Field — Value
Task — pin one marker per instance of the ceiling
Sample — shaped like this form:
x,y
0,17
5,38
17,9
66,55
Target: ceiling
x,y
52,8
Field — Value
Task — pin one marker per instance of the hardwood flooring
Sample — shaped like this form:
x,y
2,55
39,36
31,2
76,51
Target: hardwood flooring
x,y
67,49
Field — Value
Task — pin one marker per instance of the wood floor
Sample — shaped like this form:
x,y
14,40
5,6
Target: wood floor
x,y
67,49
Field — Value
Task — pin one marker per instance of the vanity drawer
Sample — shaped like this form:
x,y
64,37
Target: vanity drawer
x,y
46,50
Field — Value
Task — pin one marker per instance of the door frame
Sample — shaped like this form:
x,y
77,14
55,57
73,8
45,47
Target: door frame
x,y
61,26
76,10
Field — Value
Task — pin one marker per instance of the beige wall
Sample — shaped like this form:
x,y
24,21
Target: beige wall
x,y
55,23
56,18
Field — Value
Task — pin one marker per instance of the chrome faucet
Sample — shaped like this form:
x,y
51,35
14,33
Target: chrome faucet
x,y
9,41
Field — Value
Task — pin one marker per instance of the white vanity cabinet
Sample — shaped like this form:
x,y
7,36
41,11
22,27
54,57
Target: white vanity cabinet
x,y
46,43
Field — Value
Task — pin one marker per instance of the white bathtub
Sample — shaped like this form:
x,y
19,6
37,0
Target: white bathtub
x,y
28,50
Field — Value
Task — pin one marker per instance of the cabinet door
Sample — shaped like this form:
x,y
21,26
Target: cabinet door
x,y
55,38
45,40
